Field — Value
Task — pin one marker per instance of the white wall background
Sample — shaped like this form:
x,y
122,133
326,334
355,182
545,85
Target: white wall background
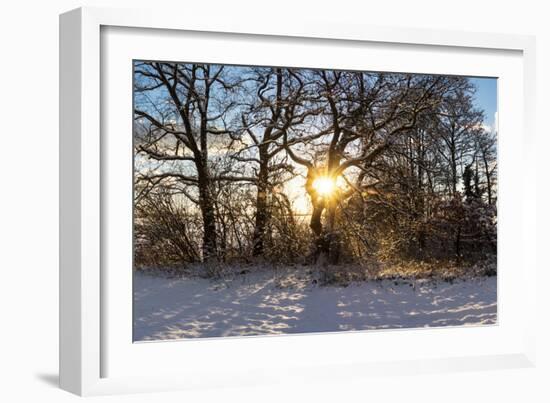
x,y
29,201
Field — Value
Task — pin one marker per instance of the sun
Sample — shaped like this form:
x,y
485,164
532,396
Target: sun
x,y
324,186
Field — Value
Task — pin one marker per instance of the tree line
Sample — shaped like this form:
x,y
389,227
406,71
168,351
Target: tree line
x,y
388,166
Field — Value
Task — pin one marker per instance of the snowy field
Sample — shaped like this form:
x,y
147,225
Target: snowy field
x,y
260,303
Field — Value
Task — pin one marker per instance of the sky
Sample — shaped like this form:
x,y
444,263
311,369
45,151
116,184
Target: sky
x,y
486,99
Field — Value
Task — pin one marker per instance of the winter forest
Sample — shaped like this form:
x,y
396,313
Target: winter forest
x,y
274,200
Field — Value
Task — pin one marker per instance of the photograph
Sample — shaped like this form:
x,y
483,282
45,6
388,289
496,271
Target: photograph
x,y
272,200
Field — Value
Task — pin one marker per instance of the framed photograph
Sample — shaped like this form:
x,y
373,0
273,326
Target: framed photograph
x,y
246,203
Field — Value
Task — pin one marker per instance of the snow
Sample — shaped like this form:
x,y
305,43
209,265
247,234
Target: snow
x,y
261,303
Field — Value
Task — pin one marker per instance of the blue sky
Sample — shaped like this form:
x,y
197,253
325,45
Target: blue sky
x,y
486,98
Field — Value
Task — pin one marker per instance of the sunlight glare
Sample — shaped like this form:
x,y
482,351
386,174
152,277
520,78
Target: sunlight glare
x,y
324,186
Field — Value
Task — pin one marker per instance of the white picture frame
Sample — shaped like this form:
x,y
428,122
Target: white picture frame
x,y
88,317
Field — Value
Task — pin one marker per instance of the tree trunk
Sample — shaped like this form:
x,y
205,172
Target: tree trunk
x,y
315,222
261,207
316,226
457,242
209,246
332,238
454,172
326,246
489,181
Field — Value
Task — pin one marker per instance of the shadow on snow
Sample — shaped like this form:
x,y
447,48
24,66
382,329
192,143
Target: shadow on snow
x,y
257,304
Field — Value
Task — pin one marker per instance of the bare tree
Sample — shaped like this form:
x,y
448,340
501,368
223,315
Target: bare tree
x,y
486,147
363,114
276,105
458,123
394,164
183,106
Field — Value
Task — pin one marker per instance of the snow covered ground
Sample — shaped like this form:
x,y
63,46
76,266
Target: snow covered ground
x,y
288,302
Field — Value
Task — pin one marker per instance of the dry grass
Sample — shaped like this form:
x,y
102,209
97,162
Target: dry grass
x,y
406,270
445,270
342,275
